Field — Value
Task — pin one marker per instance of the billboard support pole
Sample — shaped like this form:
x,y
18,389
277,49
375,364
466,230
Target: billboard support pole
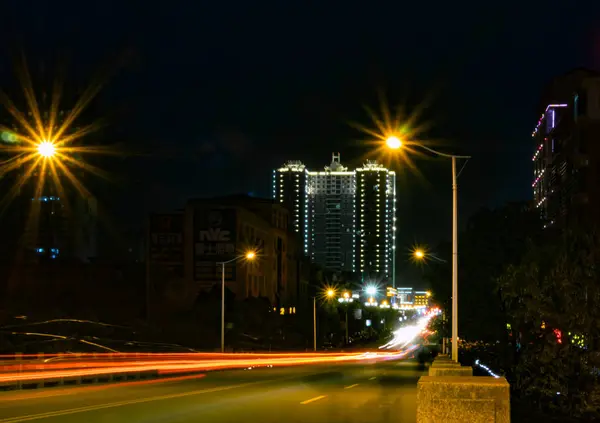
x,y
147,281
222,307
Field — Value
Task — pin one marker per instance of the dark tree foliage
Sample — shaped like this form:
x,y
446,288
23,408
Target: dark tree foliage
x,y
552,300
492,240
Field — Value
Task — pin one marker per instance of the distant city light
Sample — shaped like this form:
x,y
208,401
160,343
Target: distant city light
x,y
371,290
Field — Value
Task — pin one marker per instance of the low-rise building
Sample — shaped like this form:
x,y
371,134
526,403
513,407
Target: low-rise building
x,y
223,230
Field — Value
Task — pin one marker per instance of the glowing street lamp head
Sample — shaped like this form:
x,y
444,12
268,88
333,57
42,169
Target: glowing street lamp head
x,y
46,149
393,142
250,255
419,254
330,293
346,295
371,290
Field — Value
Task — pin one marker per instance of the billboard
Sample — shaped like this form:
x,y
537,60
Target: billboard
x,y
214,241
166,238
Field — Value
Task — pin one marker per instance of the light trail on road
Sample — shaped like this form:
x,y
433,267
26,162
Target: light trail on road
x,y
169,364
407,334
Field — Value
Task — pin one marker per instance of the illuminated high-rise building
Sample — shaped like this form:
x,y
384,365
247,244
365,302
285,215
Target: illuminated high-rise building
x,y
290,189
566,158
375,220
332,216
346,217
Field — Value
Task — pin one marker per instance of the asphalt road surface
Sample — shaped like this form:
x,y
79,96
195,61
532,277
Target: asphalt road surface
x,y
350,392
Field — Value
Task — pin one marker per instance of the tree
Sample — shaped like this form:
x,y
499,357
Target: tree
x,y
492,240
551,299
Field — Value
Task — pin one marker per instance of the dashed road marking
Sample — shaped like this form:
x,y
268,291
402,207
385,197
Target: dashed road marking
x,y
308,401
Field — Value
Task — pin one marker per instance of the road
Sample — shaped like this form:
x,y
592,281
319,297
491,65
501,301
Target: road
x,y
346,392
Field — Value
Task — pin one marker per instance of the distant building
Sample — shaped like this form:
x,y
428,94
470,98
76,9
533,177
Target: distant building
x,y
566,158
225,228
421,299
406,297
346,217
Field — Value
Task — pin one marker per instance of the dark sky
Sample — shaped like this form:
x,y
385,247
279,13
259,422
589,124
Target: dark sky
x,y
207,97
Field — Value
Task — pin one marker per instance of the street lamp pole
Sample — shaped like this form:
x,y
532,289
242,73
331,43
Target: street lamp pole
x,y
248,256
223,307
454,262
315,323
347,337
395,143
454,247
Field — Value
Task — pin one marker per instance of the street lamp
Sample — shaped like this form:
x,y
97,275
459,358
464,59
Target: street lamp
x,y
250,255
46,149
422,255
395,143
371,290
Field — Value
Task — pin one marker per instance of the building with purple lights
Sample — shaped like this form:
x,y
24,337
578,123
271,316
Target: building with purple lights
x,y
566,156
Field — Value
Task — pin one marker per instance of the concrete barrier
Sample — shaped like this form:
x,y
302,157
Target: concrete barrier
x,y
460,399
444,363
440,357
451,371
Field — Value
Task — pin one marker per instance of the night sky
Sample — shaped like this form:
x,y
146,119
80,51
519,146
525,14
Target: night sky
x,y
206,98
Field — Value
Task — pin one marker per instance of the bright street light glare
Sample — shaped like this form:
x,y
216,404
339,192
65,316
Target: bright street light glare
x,y
393,142
419,254
250,255
330,292
371,290
46,149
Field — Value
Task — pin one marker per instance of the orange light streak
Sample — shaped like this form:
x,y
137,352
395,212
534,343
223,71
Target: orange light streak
x,y
87,368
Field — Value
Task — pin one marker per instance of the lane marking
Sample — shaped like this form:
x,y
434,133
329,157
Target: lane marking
x,y
351,386
84,409
373,378
123,403
308,401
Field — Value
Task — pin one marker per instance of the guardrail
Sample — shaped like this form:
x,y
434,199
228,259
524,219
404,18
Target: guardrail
x,y
31,371
45,381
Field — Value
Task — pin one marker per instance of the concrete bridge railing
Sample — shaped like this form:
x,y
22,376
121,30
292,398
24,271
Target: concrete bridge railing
x,y
451,394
